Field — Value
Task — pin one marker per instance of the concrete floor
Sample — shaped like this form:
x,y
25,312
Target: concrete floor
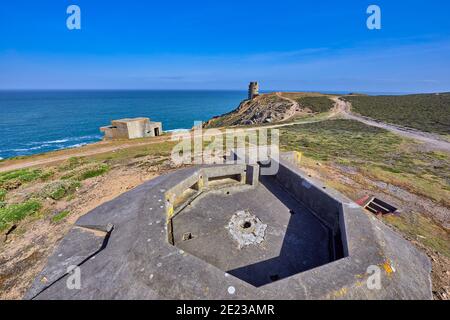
x,y
293,242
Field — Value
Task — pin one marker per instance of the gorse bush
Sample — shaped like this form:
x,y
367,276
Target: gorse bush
x,y
316,104
87,171
16,212
2,194
14,179
60,216
60,189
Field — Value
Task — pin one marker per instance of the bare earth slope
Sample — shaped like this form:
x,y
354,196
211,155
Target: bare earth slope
x,y
265,108
273,108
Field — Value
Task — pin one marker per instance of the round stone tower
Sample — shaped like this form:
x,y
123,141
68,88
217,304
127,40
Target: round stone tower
x,y
253,89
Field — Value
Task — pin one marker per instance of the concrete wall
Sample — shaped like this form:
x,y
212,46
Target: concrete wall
x,y
313,196
150,129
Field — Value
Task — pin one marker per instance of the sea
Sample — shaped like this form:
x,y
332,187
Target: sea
x,y
34,122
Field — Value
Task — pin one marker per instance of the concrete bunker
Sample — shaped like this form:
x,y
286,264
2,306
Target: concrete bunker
x,y
260,229
132,128
317,244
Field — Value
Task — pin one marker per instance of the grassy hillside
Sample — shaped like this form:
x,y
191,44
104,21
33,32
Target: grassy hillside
x,y
273,108
425,112
379,153
316,104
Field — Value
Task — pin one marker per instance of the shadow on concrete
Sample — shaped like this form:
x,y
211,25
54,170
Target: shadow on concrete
x,y
307,244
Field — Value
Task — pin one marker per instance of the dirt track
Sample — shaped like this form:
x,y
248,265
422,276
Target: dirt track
x,y
81,153
433,141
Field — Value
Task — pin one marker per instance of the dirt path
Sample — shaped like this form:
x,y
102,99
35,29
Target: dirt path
x,y
344,109
295,105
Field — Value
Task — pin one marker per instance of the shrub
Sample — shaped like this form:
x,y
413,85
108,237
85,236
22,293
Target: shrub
x,y
71,164
60,216
2,194
425,112
46,175
94,172
13,179
87,171
316,104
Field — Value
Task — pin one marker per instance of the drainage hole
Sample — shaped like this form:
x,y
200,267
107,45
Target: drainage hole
x,y
246,225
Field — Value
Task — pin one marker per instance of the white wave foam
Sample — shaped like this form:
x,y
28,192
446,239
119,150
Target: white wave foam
x,y
76,145
66,139
56,144
56,141
177,130
29,149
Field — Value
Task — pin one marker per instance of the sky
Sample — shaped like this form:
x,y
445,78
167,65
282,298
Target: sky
x,y
285,45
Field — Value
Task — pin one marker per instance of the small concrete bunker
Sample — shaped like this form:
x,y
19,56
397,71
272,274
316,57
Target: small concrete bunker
x,y
229,232
132,128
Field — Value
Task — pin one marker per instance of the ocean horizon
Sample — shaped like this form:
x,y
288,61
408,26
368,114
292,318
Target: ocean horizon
x,y
38,121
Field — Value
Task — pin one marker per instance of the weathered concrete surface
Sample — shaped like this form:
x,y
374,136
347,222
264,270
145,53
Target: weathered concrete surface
x,y
293,242
138,262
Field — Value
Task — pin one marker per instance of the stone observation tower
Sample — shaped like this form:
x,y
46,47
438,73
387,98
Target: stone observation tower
x,y
253,90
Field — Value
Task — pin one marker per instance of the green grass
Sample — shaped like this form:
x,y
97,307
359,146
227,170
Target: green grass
x,y
157,149
425,112
87,171
316,104
94,172
3,193
60,216
335,139
81,169
13,179
16,212
47,175
59,189
421,229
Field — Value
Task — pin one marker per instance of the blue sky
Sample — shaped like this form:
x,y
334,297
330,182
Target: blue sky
x,y
285,45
